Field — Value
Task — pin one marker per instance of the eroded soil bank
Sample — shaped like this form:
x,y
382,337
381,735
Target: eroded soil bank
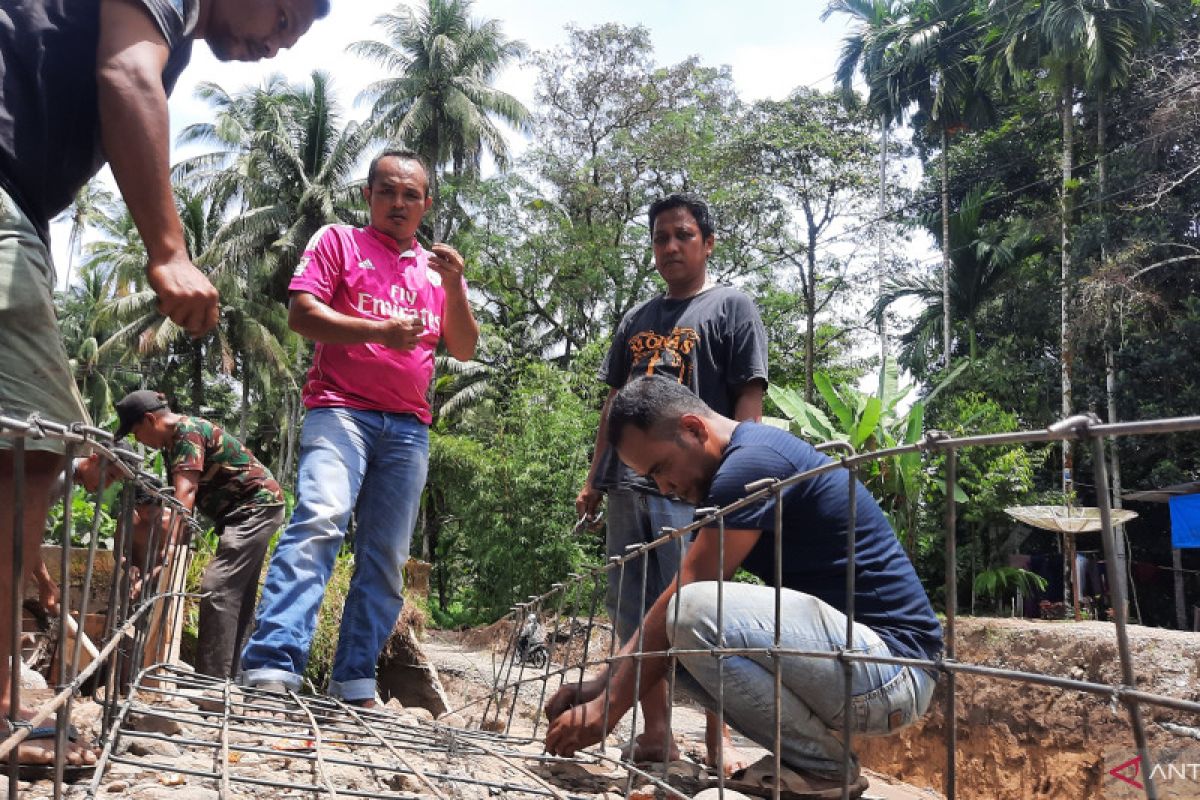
x,y
1019,741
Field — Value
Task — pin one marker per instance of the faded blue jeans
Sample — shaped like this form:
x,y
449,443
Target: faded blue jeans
x,y
637,517
371,463
885,697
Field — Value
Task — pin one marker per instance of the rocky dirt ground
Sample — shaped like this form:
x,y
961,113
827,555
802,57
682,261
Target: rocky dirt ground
x,y
1014,740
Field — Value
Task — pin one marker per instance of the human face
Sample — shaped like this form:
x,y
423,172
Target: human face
x,y
681,464
398,198
151,430
251,30
680,251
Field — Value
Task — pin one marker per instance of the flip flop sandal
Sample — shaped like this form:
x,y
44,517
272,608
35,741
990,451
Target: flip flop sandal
x,y
36,772
759,779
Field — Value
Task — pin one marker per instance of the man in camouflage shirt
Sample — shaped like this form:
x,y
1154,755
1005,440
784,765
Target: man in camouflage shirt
x,y
214,473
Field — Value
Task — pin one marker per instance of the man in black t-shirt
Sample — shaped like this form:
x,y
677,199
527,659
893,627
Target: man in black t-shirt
x,y
83,82
710,339
667,434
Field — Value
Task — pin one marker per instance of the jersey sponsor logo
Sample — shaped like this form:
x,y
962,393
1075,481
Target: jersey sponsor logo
x,y
366,264
402,303
653,353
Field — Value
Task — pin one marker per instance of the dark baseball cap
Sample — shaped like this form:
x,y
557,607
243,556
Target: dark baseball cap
x,y
135,405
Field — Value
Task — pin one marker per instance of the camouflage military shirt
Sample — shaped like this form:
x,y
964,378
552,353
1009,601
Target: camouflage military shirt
x,y
230,476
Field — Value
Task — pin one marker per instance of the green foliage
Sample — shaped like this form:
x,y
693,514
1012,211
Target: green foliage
x,y
84,509
515,495
870,422
998,581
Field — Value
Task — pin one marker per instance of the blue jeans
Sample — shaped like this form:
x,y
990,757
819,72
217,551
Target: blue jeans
x,y
373,464
885,697
636,517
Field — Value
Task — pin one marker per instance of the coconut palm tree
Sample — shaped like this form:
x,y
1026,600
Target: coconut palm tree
x,y
922,54
985,257
251,329
92,203
438,99
282,167
938,67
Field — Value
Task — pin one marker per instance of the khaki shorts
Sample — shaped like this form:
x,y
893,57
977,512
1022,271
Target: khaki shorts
x,y
35,377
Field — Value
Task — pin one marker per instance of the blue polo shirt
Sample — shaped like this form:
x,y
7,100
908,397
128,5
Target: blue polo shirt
x,y
889,597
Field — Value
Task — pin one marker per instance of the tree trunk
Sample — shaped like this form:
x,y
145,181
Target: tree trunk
x,y
1068,131
882,236
244,417
810,314
1111,339
946,246
197,377
293,431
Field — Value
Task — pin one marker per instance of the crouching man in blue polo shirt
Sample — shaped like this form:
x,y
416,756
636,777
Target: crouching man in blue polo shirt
x,y
664,432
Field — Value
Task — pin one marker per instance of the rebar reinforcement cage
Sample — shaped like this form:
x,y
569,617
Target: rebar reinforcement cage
x,y
127,679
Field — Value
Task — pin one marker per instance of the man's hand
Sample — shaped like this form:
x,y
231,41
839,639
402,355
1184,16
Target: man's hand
x,y
446,261
400,333
47,588
570,695
577,728
587,501
184,294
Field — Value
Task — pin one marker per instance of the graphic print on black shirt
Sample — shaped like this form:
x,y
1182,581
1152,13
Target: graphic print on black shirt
x,y
653,353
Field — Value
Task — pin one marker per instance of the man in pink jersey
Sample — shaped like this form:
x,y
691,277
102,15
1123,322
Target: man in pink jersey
x,y
376,304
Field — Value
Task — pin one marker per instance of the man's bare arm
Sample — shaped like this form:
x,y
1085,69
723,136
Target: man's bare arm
x,y
574,727
588,499
135,131
749,403
460,331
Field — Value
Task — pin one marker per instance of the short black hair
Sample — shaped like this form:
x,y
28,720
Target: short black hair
x,y
697,207
652,404
322,9
403,155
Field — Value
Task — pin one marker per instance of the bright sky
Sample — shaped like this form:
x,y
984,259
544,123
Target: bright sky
x,y
772,46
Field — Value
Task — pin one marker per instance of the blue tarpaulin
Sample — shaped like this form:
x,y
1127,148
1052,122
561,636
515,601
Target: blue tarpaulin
x,y
1185,521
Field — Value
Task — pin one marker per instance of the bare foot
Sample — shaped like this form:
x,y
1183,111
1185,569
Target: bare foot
x,y
38,749
648,749
734,759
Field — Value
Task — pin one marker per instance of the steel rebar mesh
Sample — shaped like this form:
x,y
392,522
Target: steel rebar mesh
x,y
239,742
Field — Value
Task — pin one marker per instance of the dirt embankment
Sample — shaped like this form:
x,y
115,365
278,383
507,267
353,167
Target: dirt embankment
x,y
1018,741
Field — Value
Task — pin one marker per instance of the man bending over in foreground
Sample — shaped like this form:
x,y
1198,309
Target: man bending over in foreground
x,y
663,431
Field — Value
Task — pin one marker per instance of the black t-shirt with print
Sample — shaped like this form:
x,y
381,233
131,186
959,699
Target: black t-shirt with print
x,y
714,343
49,113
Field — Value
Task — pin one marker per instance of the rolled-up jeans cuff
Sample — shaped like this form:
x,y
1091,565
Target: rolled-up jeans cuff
x,y
357,689
257,677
